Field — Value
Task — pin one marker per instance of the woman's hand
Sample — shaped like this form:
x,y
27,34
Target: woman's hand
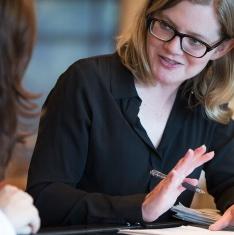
x,y
226,220
18,207
164,195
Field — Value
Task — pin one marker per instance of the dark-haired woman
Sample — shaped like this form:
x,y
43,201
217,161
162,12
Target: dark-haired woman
x,y
17,35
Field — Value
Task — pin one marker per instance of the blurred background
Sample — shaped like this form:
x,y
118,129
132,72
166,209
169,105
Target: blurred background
x,y
67,31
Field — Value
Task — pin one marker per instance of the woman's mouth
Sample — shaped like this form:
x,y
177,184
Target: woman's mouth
x,y
169,63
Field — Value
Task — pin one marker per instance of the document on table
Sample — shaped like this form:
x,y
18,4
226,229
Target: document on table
x,y
204,216
182,230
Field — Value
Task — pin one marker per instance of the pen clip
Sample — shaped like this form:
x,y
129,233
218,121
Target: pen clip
x,y
158,174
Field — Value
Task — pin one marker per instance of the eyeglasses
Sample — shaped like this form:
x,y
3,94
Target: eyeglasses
x,y
189,44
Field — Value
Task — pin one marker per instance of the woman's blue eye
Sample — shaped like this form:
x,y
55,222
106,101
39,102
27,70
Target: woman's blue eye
x,y
194,42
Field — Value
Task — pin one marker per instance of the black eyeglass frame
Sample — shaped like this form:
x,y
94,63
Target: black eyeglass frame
x,y
151,20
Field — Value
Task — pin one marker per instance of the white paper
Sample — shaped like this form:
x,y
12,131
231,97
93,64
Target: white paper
x,y
182,230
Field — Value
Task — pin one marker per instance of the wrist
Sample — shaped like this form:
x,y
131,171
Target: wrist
x,y
148,213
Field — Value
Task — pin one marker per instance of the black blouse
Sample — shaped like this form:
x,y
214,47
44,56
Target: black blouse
x,y
92,158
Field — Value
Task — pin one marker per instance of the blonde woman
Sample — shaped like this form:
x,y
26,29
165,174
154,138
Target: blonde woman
x,y
159,103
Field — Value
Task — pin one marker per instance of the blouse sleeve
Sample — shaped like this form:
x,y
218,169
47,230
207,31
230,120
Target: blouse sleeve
x,y
220,170
6,227
59,159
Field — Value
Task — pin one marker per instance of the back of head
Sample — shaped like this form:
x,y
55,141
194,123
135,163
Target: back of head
x,y
214,86
17,35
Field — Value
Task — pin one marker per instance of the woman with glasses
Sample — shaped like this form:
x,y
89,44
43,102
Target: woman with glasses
x,y
159,103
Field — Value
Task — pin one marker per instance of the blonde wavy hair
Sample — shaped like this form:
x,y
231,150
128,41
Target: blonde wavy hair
x,y
213,88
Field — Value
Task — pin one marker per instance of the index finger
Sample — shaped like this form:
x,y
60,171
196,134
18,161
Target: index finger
x,y
192,160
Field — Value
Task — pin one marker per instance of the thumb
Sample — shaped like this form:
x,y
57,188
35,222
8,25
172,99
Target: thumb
x,y
222,223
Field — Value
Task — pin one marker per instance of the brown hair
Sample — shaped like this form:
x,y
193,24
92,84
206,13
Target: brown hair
x,y
17,36
214,86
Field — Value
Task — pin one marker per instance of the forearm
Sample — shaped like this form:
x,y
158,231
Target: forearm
x,y
62,204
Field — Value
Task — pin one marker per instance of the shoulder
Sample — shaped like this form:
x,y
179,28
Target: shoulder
x,y
94,69
88,77
101,62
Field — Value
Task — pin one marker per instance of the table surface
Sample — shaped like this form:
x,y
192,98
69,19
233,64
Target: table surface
x,y
103,229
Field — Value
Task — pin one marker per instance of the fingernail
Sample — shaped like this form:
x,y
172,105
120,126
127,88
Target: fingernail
x,y
203,146
213,153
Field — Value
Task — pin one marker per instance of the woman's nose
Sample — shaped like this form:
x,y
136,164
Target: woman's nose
x,y
174,46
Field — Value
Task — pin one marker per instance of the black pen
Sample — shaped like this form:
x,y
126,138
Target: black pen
x,y
188,186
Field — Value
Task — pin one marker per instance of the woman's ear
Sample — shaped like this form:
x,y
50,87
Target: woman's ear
x,y
223,49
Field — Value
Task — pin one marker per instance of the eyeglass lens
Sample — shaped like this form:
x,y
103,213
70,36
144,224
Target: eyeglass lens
x,y
165,32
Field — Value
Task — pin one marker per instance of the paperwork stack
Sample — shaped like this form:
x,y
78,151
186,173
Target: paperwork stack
x,y
204,216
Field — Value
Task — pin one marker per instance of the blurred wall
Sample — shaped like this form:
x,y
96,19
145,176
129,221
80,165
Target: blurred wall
x,y
67,31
